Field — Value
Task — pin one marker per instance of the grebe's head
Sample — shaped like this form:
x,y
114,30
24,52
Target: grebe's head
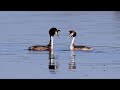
x,y
53,31
72,33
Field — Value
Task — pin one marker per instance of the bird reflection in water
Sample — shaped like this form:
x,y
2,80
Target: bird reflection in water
x,y
52,65
72,64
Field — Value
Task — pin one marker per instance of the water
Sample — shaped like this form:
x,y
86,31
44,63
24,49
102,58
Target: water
x,y
97,29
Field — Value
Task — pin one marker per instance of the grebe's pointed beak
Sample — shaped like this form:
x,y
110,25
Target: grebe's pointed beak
x,y
56,33
58,30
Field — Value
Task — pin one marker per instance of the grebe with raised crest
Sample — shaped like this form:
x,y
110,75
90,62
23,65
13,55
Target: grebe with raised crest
x,y
73,34
53,31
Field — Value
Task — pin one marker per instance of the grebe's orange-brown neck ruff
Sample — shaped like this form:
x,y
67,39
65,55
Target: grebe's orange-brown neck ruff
x,y
53,31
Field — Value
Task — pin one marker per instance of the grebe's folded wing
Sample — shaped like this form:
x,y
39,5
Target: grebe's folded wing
x,y
81,46
39,47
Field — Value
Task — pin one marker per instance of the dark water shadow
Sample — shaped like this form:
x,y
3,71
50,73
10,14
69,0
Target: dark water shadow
x,y
65,50
37,52
53,66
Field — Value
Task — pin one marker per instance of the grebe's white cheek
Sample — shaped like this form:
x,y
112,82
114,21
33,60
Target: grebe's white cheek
x,y
56,33
71,34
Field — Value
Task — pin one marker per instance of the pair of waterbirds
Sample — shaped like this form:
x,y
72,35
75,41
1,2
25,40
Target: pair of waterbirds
x,y
54,31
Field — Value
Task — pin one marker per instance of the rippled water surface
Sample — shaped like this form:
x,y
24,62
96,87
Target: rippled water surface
x,y
97,29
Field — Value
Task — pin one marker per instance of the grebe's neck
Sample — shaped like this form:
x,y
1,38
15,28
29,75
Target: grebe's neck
x,y
51,42
72,43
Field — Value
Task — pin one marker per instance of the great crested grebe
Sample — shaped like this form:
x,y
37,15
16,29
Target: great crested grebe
x,y
53,31
73,34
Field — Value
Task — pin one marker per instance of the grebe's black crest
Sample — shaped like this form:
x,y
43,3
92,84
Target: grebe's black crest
x,y
72,33
53,31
